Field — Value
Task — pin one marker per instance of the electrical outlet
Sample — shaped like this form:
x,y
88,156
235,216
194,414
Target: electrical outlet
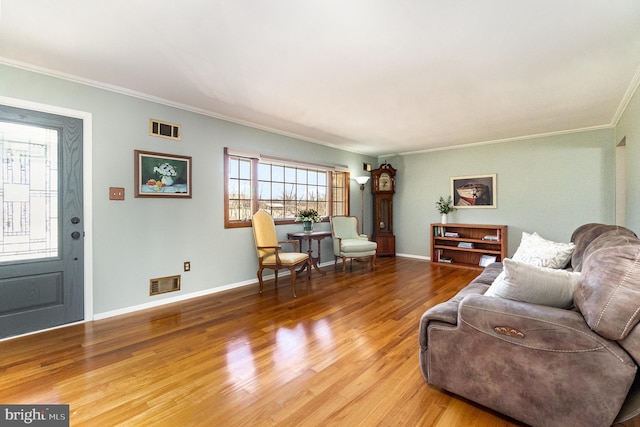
x,y
116,193
187,266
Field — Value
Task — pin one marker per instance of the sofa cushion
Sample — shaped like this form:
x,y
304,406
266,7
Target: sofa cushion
x,y
541,252
587,233
537,285
357,245
608,295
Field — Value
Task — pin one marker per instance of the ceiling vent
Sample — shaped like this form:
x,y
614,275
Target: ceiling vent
x,y
164,129
164,285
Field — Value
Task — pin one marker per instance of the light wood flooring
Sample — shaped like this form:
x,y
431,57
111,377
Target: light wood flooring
x,y
344,353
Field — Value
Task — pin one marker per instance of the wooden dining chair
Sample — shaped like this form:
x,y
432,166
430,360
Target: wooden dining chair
x,y
270,253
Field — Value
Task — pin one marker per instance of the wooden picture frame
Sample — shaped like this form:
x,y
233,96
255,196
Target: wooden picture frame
x,y
162,175
474,191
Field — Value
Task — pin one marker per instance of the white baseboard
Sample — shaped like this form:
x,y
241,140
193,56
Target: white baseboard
x,y
184,297
426,258
176,298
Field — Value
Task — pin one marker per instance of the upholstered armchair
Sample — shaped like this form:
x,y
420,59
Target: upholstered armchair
x,y
270,253
349,244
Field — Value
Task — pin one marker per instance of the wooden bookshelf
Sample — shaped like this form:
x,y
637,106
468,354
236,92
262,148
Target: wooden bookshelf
x,y
464,245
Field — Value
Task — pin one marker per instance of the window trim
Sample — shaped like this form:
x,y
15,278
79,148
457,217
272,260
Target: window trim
x,y
255,159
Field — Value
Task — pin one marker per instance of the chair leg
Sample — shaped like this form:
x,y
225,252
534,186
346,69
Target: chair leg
x,y
276,274
373,261
293,280
260,280
344,264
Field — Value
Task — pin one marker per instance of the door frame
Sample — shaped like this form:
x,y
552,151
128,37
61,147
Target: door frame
x,y
87,194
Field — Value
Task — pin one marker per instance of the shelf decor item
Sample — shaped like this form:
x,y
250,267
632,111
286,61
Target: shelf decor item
x,y
444,207
308,217
162,175
487,259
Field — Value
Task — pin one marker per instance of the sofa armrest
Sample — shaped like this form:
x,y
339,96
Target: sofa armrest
x,y
447,312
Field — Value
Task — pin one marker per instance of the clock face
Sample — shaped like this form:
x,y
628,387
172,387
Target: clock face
x,y
385,182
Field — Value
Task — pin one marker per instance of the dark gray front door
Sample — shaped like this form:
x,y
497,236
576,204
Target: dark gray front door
x,y
41,246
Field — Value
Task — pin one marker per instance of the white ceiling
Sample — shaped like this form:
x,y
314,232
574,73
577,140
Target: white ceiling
x,y
370,76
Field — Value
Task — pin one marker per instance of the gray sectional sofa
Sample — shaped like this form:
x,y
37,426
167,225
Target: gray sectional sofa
x,y
542,364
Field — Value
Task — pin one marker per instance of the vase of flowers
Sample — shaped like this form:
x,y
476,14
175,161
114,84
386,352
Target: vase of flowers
x,y
308,217
166,173
444,207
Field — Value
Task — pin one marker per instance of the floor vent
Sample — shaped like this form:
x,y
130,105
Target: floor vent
x,y
164,285
164,129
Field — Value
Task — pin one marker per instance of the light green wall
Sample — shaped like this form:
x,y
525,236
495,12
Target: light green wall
x,y
629,129
139,239
549,185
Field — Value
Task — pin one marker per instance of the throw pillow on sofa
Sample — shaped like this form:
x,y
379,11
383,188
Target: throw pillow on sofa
x,y
536,250
537,285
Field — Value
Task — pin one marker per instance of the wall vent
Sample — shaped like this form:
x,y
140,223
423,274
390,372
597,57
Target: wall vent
x,y
164,129
164,285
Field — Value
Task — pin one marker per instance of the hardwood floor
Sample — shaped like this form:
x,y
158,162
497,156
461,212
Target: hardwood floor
x,y
345,352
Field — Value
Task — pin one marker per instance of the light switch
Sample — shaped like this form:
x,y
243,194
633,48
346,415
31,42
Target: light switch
x,y
116,193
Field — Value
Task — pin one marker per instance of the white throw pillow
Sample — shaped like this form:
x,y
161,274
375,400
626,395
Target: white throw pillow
x,y
537,285
541,252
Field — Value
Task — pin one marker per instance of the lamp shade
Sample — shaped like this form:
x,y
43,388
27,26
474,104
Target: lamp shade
x,y
362,179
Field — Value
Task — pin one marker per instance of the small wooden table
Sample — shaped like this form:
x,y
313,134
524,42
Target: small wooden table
x,y
310,237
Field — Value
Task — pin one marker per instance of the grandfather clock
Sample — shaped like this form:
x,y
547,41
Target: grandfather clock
x,y
383,186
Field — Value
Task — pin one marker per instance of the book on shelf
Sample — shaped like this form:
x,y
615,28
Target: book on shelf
x,y
494,237
465,245
487,259
451,234
439,258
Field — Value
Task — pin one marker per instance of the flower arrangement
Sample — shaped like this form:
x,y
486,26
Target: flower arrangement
x,y
445,206
165,169
308,215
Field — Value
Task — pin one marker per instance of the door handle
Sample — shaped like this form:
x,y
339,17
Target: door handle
x,y
75,235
